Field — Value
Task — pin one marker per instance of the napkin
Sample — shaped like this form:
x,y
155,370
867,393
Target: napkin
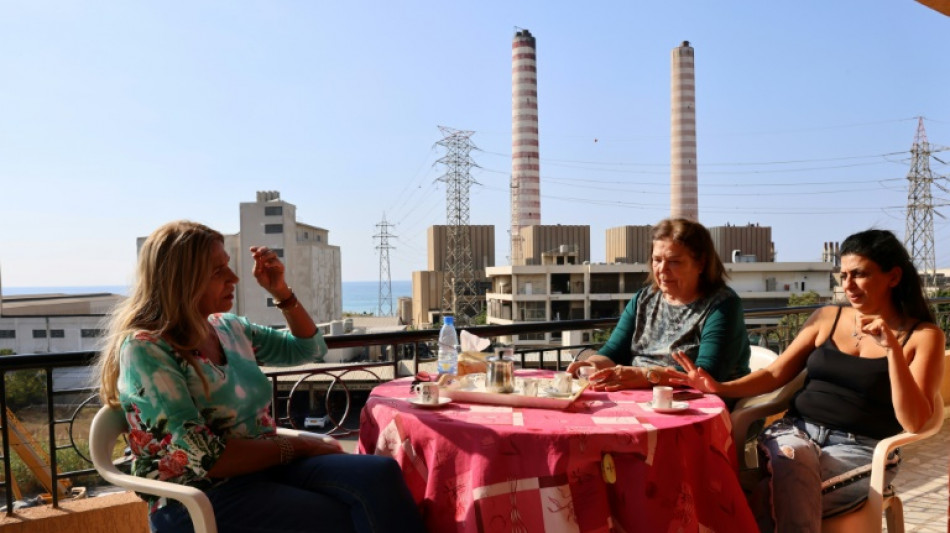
x,y
471,360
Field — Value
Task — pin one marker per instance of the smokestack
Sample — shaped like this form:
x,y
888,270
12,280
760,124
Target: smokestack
x,y
525,166
684,194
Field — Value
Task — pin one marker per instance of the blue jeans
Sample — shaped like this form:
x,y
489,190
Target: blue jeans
x,y
338,493
815,472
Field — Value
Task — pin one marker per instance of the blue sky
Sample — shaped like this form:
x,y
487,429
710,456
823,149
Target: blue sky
x,y
116,117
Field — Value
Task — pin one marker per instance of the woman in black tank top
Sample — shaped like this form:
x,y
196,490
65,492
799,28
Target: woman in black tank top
x,y
874,369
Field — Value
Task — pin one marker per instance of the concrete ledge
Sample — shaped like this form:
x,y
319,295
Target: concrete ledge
x,y
122,512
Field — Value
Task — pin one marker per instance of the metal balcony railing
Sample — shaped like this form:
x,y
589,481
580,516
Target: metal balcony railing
x,y
401,353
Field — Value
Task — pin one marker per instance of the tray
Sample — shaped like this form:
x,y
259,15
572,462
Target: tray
x,y
514,399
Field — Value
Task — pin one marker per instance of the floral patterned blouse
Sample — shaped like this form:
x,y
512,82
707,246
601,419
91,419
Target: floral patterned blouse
x,y
177,431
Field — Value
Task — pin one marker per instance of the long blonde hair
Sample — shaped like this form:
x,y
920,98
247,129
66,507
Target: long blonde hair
x,y
174,266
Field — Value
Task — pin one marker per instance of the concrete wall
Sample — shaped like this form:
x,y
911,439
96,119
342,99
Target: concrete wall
x,y
54,333
749,240
482,240
629,244
123,512
540,239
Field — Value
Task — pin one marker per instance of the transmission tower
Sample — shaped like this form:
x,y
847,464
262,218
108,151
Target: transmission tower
x,y
459,298
385,300
919,237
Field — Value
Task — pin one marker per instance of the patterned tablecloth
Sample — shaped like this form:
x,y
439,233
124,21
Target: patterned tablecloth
x,y
607,464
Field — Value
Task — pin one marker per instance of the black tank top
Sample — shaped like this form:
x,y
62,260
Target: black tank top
x,y
847,393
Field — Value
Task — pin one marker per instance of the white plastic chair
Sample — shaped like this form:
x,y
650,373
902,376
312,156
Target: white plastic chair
x,y
749,410
109,423
867,518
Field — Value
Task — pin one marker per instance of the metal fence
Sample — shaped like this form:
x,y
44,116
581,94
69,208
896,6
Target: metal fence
x,y
401,354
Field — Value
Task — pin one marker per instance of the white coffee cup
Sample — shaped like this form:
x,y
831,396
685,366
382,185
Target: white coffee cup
x,y
585,372
427,392
563,382
662,397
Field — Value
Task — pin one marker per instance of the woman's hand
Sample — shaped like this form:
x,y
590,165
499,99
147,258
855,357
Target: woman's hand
x,y
269,272
309,446
693,375
878,330
617,378
572,368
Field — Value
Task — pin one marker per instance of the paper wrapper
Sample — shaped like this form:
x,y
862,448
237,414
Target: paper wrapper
x,y
471,360
472,363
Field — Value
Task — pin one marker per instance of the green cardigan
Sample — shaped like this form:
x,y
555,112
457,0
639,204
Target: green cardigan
x,y
723,340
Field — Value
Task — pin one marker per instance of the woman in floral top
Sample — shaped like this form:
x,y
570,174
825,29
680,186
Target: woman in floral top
x,y
186,373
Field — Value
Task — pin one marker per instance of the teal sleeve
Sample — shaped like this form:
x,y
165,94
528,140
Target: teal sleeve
x,y
724,342
274,347
617,347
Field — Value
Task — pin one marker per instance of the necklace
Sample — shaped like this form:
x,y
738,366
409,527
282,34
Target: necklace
x,y
859,335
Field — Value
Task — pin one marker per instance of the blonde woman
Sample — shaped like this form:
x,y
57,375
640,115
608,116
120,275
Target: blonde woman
x,y
186,374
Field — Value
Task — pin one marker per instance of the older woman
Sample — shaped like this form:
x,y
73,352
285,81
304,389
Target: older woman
x,y
686,307
186,374
874,369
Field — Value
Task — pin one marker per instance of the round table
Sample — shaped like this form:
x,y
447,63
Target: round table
x,y
606,463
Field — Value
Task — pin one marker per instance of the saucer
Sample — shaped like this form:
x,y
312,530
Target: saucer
x,y
443,401
675,408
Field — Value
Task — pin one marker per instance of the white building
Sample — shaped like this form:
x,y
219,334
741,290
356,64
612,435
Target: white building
x,y
313,264
63,323
597,290
48,323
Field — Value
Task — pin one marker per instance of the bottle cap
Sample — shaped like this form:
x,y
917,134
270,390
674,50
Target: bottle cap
x,y
448,321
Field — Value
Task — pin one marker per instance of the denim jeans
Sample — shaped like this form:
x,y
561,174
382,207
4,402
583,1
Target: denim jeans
x,y
338,493
814,472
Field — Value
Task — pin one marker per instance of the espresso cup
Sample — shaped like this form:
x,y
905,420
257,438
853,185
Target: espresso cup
x,y
427,393
562,382
585,372
662,397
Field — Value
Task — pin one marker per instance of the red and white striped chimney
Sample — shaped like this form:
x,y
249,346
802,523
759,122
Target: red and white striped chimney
x,y
525,166
684,192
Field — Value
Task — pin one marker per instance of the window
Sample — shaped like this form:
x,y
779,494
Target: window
x,y
318,238
279,252
273,210
273,228
90,333
39,333
7,333
57,333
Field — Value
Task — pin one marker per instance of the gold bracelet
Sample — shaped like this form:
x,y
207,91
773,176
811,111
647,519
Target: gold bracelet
x,y
287,453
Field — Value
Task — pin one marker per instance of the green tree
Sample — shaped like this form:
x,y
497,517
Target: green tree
x,y
24,387
789,325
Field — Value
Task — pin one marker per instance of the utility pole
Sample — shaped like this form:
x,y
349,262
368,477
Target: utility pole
x,y
919,237
459,298
385,299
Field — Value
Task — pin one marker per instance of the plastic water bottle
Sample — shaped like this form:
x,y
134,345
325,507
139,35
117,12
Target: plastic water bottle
x,y
448,347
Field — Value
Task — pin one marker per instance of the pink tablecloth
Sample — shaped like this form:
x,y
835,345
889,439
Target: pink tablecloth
x,y
483,468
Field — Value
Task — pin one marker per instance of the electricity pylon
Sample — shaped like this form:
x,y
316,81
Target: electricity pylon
x,y
919,237
459,298
385,300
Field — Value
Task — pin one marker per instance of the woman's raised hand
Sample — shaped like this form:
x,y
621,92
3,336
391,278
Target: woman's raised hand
x,y
268,270
693,375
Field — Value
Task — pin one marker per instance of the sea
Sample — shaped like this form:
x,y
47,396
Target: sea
x,y
359,297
